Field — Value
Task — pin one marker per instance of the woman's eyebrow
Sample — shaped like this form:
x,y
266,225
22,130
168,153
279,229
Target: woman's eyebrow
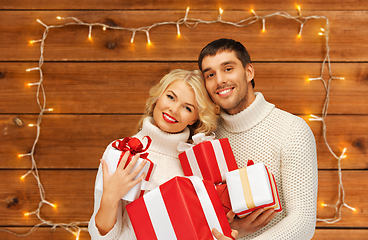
x,y
172,93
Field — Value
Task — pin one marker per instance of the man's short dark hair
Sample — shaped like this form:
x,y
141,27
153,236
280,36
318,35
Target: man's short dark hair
x,y
228,45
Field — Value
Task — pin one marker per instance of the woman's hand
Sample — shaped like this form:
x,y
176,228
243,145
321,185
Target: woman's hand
x,y
116,186
220,236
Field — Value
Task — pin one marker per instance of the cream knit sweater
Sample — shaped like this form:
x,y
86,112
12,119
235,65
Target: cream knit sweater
x,y
286,145
163,152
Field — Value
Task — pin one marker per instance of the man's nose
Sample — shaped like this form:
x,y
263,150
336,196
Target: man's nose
x,y
220,78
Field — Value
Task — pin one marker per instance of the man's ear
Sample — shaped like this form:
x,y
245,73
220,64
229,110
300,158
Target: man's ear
x,y
250,72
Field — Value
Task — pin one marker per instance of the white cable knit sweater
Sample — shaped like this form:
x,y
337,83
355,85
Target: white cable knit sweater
x,y
163,152
286,145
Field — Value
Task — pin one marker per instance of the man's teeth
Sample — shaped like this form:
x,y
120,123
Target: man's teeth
x,y
225,91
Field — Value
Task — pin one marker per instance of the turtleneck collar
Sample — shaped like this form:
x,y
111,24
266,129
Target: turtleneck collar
x,y
162,142
249,117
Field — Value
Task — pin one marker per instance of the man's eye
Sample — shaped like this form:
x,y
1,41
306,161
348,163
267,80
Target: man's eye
x,y
210,75
228,69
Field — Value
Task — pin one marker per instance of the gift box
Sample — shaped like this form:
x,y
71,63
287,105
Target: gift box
x,y
181,208
223,194
116,153
209,160
251,188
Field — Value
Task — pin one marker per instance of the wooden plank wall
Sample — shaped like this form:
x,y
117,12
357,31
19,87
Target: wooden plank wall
x,y
98,89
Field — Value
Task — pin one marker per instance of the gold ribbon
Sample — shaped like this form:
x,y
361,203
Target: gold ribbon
x,y
246,188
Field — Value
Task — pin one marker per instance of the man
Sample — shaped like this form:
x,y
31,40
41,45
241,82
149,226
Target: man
x,y
259,131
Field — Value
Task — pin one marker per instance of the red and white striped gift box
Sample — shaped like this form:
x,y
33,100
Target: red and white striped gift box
x,y
182,208
209,160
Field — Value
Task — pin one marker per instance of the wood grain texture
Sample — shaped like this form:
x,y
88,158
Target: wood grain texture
x,y
183,4
75,202
98,90
78,141
43,233
123,87
340,234
278,43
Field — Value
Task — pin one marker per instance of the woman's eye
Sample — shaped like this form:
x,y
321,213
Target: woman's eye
x,y
170,96
188,109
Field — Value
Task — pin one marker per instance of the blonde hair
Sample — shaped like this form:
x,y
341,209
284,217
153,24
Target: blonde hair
x,y
207,116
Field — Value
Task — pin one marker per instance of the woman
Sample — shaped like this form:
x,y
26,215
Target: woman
x,y
177,108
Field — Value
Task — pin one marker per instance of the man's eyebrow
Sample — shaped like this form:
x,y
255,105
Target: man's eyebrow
x,y
222,64
227,63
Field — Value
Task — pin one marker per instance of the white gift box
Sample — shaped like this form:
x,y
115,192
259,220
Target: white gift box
x,y
112,159
251,188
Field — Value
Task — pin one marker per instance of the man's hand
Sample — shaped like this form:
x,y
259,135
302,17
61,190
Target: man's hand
x,y
220,236
252,222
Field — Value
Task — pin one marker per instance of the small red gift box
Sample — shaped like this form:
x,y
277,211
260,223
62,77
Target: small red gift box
x,y
116,153
209,160
182,208
223,193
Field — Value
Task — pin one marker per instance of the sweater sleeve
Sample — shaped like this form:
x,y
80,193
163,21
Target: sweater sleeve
x,y
299,177
115,232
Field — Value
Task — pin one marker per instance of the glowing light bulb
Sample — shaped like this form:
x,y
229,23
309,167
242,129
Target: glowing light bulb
x,y
104,28
53,205
221,11
299,35
32,125
58,17
149,42
26,214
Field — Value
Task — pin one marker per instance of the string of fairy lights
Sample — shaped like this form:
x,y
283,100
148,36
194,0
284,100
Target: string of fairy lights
x,y
75,227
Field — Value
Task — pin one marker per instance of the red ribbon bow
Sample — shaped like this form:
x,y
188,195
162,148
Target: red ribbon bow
x,y
250,163
133,145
